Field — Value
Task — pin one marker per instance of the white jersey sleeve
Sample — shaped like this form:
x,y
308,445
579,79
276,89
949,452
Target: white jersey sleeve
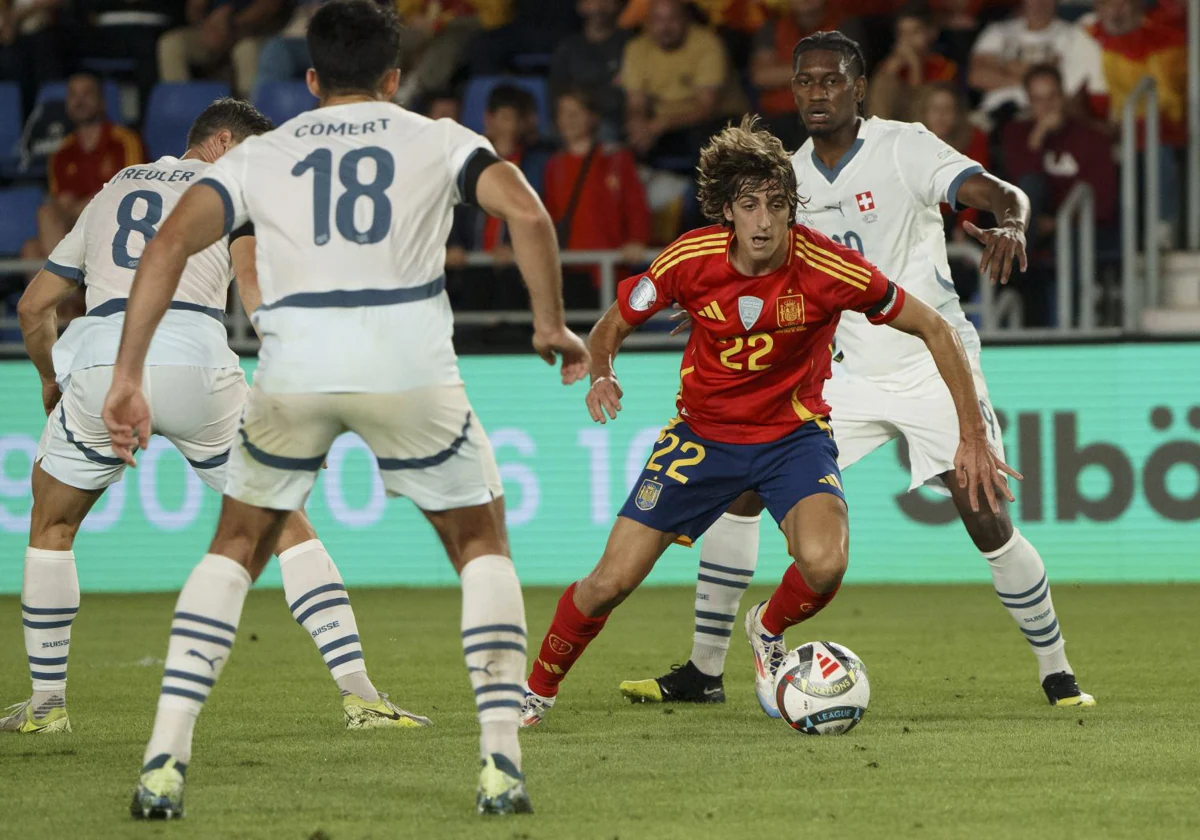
x,y
69,257
227,177
931,169
461,146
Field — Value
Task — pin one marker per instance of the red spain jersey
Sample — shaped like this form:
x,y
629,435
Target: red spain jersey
x,y
759,353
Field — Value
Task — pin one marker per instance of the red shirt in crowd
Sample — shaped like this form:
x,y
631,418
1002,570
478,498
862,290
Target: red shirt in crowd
x,y
1076,152
612,208
77,172
979,151
759,352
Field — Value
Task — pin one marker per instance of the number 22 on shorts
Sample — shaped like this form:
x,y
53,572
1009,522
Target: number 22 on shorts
x,y
690,454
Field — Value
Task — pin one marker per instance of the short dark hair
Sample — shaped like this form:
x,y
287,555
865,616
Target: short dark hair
x,y
353,43
1048,70
581,95
508,96
237,115
741,159
918,10
832,42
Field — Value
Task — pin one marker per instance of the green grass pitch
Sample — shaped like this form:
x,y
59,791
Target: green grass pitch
x,y
958,743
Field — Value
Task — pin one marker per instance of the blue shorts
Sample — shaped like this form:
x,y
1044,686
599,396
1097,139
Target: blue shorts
x,y
689,481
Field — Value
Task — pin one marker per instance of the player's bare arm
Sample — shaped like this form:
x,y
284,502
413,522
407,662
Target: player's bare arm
x,y
38,316
503,192
1005,243
604,343
241,250
197,222
977,467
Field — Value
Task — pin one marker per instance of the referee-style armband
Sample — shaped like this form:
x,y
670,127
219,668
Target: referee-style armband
x,y
245,230
480,160
888,307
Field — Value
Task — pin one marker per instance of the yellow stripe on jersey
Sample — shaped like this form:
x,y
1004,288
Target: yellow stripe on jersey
x,y
681,247
682,258
815,254
807,416
833,270
716,308
846,264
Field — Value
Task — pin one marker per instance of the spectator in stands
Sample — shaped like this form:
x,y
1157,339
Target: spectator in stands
x,y
1046,155
439,34
1135,44
590,61
958,23
910,64
284,57
678,87
1006,50
736,21
443,105
771,68
90,155
30,51
593,193
536,28
220,34
126,30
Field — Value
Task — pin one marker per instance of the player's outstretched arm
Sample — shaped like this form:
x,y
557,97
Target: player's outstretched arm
x,y
197,222
37,313
503,192
1004,244
977,467
604,343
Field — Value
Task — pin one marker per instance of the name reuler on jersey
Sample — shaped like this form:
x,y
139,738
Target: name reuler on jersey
x,y
155,175
350,129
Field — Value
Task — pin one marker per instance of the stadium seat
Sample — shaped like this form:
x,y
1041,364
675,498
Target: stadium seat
x,y
57,92
170,112
283,100
18,217
10,123
475,99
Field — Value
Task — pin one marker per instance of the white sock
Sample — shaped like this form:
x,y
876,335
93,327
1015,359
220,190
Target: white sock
x,y
318,601
493,634
49,603
1020,580
202,632
728,555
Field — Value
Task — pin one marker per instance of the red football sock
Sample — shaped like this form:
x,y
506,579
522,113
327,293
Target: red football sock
x,y
568,636
793,602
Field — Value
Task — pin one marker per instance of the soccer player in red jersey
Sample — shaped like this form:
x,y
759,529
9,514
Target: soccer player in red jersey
x,y
765,296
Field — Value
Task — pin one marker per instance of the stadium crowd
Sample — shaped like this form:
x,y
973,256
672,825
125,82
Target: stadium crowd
x,y
605,104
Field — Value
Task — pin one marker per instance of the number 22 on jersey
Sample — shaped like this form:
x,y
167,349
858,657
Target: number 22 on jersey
x,y
320,161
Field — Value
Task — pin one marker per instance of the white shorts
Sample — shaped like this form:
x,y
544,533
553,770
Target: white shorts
x,y
867,413
197,409
428,443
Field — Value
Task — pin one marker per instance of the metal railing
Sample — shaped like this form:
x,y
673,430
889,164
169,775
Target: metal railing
x,y
1075,257
1147,294
1193,110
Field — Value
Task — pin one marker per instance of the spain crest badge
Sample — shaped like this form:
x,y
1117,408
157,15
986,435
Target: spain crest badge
x,y
647,495
790,310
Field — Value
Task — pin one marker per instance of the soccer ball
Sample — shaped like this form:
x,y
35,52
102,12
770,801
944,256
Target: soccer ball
x,y
821,688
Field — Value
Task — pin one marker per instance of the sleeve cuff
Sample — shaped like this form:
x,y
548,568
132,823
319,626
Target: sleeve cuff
x,y
952,190
65,271
889,307
226,200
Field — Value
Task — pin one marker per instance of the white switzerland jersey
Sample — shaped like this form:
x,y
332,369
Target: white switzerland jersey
x,y
883,200
351,206
102,251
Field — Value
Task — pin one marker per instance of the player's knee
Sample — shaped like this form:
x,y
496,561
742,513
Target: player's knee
x,y
54,534
821,562
989,531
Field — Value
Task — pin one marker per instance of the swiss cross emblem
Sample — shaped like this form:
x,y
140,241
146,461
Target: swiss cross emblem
x,y
865,201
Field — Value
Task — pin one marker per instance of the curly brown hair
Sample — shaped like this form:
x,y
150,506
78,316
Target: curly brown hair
x,y
741,159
